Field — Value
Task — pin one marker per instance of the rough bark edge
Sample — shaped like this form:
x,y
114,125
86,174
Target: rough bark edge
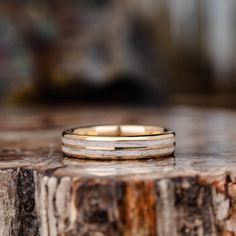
x,y
26,213
65,206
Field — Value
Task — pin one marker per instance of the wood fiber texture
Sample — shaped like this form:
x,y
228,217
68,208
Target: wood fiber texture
x,y
43,193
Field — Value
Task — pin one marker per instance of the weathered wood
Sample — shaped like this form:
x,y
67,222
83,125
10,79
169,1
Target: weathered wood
x,y
44,193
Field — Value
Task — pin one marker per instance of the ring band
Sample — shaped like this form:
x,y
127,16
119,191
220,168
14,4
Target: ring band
x,y
118,142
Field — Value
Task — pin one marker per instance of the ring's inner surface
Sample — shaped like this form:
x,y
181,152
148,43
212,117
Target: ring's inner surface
x,y
119,130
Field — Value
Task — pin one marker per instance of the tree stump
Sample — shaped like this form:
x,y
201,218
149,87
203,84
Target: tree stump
x,y
44,193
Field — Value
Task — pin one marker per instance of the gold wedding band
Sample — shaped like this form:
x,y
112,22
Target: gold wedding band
x,y
118,142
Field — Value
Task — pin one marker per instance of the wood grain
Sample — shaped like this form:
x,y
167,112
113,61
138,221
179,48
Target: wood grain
x,y
44,193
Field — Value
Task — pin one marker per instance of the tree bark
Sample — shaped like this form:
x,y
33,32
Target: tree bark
x,y
43,193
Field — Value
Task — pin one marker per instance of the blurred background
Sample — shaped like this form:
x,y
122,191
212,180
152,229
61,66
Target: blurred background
x,y
125,52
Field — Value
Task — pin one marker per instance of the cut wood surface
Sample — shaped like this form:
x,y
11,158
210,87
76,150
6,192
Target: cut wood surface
x,y
44,193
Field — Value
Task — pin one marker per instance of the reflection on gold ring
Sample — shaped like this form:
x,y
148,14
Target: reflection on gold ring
x,y
118,142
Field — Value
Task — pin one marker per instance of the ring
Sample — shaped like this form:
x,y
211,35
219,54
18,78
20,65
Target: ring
x,y
118,142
